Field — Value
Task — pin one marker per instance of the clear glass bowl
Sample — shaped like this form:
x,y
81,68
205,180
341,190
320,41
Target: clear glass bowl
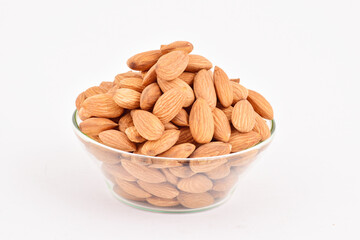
x,y
161,184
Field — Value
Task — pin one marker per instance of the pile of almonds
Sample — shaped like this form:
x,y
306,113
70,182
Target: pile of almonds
x,y
173,106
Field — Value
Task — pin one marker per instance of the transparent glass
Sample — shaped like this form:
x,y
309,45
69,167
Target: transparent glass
x,y
161,184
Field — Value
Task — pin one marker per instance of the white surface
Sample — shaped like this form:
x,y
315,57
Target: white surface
x,y
302,55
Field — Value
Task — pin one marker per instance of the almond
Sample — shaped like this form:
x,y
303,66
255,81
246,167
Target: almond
x,y
118,172
130,74
169,126
102,105
112,90
187,77
142,172
237,80
185,136
166,141
184,46
204,87
201,121
239,92
171,178
218,195
164,163
227,111
125,122
195,200
260,105
182,172
181,119
225,184
244,159
144,61
79,100
162,190
179,151
132,83
222,128
182,86
223,86
149,96
117,139
219,172
241,141
83,114
169,105
132,188
149,76
198,183
94,91
93,126
134,135
127,98
128,196
243,116
171,65
261,127
147,124
210,150
197,62
106,86
162,202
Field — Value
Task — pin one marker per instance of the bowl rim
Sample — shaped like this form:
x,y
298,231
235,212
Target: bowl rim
x,y
89,139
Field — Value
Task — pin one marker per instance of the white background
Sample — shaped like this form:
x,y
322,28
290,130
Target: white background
x,y
302,55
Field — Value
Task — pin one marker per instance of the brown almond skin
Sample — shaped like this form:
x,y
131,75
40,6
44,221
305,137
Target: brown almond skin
x,y
227,111
150,76
144,61
83,114
171,65
219,172
261,127
129,74
117,139
197,62
147,124
239,92
195,200
260,105
241,141
93,126
142,172
162,202
134,135
132,188
118,171
125,122
102,105
171,178
236,80
185,136
106,86
169,126
183,150
182,172
222,128
201,121
162,190
127,98
243,116
149,96
204,87
184,46
212,149
180,85
198,183
169,105
79,100
225,184
181,119
164,143
187,77
126,195
223,86
132,83
92,91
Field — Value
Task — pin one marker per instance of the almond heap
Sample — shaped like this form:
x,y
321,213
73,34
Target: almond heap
x,y
172,105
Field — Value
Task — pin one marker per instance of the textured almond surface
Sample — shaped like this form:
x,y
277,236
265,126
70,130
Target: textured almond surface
x,y
239,92
195,200
162,202
93,126
223,86
150,76
169,126
143,173
185,136
106,86
171,178
243,116
94,91
118,171
182,172
149,96
119,191
181,119
169,105
197,62
144,61
171,65
162,190
183,150
225,184
222,128
132,188
198,183
134,135
260,105
164,143
181,86
102,105
147,124
212,149
187,77
201,121
184,46
227,111
125,121
204,87
117,139
261,127
241,141
200,166
132,83
127,98
79,100
219,172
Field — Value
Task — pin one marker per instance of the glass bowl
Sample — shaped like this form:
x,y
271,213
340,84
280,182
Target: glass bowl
x,y
162,184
